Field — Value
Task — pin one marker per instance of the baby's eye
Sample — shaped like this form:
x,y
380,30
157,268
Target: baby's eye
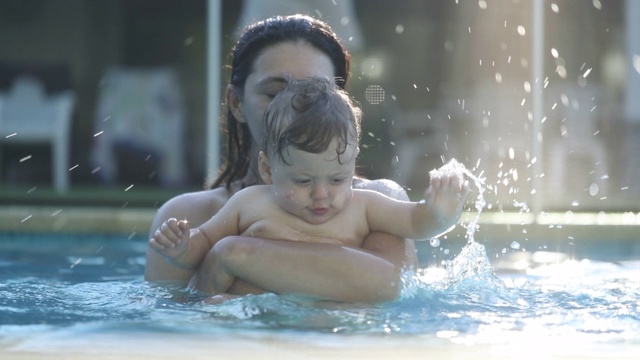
x,y
338,181
301,181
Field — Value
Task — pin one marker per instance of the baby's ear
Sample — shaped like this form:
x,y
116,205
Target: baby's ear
x,y
264,167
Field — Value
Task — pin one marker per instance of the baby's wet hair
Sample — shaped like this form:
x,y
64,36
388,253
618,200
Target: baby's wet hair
x,y
309,114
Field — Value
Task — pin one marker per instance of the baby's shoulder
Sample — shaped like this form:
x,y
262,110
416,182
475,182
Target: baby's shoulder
x,y
251,191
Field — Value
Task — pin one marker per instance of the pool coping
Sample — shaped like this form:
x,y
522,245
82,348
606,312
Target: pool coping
x,y
492,225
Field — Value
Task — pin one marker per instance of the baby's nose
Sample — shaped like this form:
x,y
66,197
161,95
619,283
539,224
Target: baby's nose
x,y
319,192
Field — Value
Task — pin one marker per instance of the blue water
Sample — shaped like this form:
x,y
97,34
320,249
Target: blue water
x,y
97,283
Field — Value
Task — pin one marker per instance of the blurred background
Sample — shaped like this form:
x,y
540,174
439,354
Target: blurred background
x,y
106,102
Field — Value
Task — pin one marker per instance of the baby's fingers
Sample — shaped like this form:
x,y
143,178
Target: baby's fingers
x,y
160,241
172,229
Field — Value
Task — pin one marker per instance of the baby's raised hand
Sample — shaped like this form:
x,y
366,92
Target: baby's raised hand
x,y
447,193
171,238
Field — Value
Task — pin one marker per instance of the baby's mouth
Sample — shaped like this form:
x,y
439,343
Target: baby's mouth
x,y
319,211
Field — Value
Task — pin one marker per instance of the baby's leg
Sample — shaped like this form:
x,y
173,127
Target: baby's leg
x,y
213,276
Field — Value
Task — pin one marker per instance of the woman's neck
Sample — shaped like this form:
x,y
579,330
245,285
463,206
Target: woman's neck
x,y
253,175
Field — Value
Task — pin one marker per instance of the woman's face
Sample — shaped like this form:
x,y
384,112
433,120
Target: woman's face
x,y
296,60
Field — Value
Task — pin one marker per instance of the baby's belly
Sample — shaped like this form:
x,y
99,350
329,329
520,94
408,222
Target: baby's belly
x,y
267,230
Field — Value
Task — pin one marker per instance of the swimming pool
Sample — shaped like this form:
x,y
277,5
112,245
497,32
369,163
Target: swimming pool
x,y
80,296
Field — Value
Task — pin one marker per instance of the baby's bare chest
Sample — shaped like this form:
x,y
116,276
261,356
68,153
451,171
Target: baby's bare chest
x,y
346,228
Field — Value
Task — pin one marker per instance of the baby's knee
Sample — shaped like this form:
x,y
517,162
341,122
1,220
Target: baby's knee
x,y
232,249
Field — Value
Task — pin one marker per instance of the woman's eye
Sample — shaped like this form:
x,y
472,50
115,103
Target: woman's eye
x,y
338,181
272,91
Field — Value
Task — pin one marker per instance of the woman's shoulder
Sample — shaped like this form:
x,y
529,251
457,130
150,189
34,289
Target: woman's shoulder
x,y
197,206
383,186
213,198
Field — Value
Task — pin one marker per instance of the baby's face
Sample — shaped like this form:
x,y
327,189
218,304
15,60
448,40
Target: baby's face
x,y
315,187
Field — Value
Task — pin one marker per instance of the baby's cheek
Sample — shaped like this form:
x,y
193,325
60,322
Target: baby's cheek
x,y
340,200
289,196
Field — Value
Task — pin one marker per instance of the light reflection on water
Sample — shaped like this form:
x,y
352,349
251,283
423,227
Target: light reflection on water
x,y
594,301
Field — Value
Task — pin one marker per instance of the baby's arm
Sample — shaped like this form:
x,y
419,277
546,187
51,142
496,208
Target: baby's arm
x,y
179,244
437,213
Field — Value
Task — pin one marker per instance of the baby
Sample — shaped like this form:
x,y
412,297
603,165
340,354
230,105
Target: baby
x,y
308,162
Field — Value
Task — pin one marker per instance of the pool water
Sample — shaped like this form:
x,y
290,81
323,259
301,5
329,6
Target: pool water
x,y
58,290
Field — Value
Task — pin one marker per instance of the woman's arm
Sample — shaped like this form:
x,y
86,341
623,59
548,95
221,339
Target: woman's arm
x,y
323,271
197,207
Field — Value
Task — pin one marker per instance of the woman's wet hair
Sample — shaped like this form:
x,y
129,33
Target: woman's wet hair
x,y
252,43
308,114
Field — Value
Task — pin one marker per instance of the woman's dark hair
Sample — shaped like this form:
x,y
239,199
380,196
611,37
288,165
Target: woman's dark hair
x,y
308,115
253,41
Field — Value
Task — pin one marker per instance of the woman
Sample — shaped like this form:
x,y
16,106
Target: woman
x,y
266,53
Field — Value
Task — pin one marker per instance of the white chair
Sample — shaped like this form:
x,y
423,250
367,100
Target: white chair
x,y
28,115
145,107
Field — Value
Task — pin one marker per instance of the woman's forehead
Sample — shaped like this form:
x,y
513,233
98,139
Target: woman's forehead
x,y
295,60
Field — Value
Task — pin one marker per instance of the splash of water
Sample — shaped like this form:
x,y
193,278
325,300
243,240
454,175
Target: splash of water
x,y
456,167
472,262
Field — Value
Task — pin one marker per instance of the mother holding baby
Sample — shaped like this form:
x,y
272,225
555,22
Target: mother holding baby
x,y
266,54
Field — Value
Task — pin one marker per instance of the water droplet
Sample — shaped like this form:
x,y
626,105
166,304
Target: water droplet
x,y
399,29
562,72
521,30
435,242
555,8
593,189
515,245
597,4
